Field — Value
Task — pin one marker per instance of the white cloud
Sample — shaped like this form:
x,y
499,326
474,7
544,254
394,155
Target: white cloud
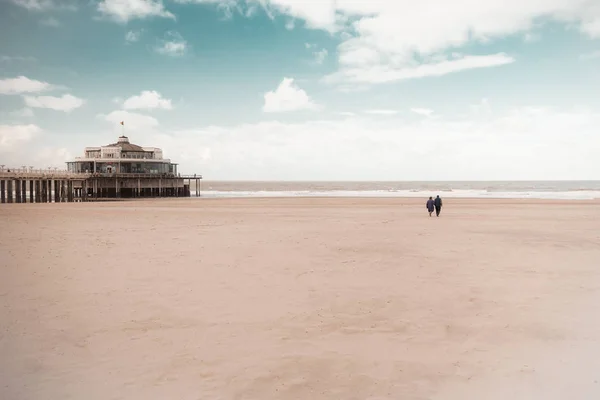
x,y
148,99
172,45
315,14
590,56
5,58
452,23
381,73
531,37
483,109
54,157
12,136
50,22
126,10
346,113
287,97
426,112
381,112
320,56
36,5
22,84
133,121
405,40
133,36
24,112
25,145
66,103
227,6
592,26
524,143
43,5
352,88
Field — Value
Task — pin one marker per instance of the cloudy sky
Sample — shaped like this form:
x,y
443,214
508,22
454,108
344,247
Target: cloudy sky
x,y
308,89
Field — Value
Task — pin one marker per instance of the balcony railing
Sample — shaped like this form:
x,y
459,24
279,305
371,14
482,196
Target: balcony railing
x,y
119,157
131,175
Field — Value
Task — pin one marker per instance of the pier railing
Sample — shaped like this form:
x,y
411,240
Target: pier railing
x,y
31,173
40,174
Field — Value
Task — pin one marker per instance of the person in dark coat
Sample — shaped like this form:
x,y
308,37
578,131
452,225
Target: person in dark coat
x,y
438,205
430,205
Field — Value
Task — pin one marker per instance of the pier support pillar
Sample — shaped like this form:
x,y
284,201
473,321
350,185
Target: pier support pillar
x,y
84,191
44,191
9,191
56,191
17,191
37,193
2,191
49,191
24,191
68,191
31,192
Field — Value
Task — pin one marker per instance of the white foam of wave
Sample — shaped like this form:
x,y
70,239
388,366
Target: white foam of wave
x,y
473,194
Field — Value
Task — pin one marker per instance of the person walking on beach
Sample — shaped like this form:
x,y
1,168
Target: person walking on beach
x,y
430,205
438,205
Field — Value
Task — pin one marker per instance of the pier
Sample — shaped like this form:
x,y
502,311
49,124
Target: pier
x,y
38,186
116,171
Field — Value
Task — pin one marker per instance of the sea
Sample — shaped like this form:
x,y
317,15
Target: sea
x,y
551,190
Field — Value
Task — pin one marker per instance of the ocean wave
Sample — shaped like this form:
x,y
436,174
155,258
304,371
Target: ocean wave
x,y
474,194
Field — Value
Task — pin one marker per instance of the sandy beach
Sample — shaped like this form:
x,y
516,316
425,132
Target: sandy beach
x,y
300,299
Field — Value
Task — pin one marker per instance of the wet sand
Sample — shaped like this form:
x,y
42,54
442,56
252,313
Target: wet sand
x,y
300,299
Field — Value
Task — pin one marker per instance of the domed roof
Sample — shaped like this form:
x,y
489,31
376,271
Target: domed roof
x,y
124,144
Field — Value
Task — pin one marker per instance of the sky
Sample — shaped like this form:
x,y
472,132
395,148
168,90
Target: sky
x,y
308,90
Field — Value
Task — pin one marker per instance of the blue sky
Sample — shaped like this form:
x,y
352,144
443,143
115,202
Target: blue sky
x,y
289,89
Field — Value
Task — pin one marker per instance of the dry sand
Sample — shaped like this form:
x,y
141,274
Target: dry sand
x,y
300,299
